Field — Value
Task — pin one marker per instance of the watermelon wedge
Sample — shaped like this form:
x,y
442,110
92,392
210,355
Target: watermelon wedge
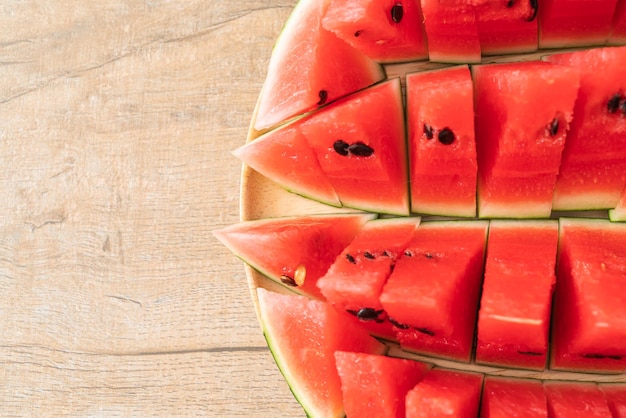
x,y
506,27
294,251
303,336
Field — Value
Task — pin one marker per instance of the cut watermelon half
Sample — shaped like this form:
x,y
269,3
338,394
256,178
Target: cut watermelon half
x,y
303,336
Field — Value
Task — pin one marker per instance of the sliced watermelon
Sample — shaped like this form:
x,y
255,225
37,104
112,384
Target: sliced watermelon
x,y
353,283
310,67
376,386
360,143
432,294
593,168
284,248
303,336
451,31
442,150
618,27
576,400
523,111
616,397
513,398
385,31
569,23
516,301
445,393
506,27
589,331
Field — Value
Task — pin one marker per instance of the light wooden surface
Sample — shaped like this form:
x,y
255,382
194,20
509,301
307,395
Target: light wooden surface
x,y
117,119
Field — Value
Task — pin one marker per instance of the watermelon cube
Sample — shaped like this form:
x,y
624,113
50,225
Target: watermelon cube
x,y
575,400
523,111
442,150
506,27
376,386
589,331
513,398
445,393
516,301
616,398
432,294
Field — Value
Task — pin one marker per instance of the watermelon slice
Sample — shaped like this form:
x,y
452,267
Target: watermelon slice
x,y
376,386
451,31
442,150
616,397
506,27
569,23
294,251
310,67
354,282
593,168
523,111
432,294
513,398
383,30
303,336
589,331
516,301
618,27
445,393
576,400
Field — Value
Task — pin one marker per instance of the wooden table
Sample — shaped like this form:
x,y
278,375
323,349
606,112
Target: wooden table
x,y
117,119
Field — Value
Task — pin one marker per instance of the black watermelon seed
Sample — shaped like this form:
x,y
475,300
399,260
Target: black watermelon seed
x,y
622,107
357,33
408,253
534,5
446,136
614,103
368,314
554,127
510,3
428,131
529,353
397,12
350,259
601,356
341,147
397,324
429,255
386,253
323,95
360,149
426,331
289,281
368,255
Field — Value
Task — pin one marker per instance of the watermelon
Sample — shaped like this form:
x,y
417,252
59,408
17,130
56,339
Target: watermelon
x,y
385,31
616,398
451,31
569,23
376,386
618,27
523,111
303,336
432,294
321,68
513,398
506,27
619,212
576,400
445,393
442,149
354,282
593,168
589,331
516,299
294,251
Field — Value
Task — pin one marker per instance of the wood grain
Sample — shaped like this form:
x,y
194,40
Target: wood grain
x,y
117,123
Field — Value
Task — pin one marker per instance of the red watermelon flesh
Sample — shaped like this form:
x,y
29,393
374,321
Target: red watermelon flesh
x,y
385,31
303,336
569,23
616,397
360,143
310,67
445,393
618,27
589,319
523,111
575,400
432,294
451,31
593,168
355,280
516,300
506,27
442,150
513,398
278,247
376,386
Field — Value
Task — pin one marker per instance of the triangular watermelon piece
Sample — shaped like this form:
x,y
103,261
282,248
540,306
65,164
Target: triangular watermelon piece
x,y
376,386
303,336
310,67
291,248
